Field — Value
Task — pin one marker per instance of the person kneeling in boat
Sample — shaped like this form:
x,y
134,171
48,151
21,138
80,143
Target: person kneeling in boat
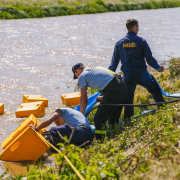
x,y
66,120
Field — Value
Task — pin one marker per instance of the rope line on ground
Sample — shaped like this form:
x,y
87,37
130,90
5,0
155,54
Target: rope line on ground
x,y
65,157
135,105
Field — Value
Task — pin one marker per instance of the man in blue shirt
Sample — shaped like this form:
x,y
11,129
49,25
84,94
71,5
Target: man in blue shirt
x,y
133,52
66,119
113,90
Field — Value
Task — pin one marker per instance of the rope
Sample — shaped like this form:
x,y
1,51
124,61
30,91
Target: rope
x,y
135,105
65,157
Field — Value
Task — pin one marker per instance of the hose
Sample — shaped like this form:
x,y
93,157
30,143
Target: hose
x,y
135,105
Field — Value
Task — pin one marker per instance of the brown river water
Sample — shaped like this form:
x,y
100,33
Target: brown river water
x,y
37,56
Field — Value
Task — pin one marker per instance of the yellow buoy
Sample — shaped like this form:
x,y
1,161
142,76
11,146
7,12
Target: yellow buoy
x,y
71,98
31,120
1,108
34,98
35,108
28,145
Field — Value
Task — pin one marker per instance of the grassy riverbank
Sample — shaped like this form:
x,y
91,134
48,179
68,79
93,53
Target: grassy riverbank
x,y
147,149
16,9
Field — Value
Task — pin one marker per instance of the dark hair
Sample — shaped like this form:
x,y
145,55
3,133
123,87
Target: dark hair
x,y
130,23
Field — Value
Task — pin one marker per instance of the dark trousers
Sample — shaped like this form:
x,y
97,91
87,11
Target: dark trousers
x,y
81,135
143,78
114,93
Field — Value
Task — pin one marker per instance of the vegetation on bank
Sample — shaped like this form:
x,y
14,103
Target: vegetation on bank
x,y
146,148
19,9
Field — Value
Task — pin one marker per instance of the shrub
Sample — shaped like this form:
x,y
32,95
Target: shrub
x,y
47,9
148,5
100,2
110,7
11,13
120,7
6,15
174,67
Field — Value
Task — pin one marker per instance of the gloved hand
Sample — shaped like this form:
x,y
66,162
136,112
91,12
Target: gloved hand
x,y
161,69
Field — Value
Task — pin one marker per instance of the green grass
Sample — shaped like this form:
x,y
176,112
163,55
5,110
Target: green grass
x,y
64,2
147,149
17,9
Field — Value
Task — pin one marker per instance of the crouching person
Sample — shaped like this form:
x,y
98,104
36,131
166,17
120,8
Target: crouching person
x,y
66,120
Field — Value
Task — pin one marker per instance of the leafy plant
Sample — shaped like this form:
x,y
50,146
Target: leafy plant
x,y
17,10
174,67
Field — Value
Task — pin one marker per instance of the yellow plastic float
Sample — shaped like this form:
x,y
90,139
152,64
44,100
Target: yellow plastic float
x,y
34,98
31,120
35,108
29,145
71,98
1,108
24,143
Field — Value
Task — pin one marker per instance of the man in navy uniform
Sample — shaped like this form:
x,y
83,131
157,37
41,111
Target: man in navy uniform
x,y
112,88
133,52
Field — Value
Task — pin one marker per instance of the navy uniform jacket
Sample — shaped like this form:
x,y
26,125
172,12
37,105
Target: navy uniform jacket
x,y
132,50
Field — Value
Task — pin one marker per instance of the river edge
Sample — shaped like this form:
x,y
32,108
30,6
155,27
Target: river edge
x,y
20,11
156,136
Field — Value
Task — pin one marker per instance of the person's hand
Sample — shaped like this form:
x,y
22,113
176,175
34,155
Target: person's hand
x,y
32,126
99,98
161,69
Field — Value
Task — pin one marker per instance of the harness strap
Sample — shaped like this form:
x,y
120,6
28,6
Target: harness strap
x,y
103,132
113,73
85,127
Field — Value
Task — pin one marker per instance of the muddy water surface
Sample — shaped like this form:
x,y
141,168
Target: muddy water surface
x,y
37,55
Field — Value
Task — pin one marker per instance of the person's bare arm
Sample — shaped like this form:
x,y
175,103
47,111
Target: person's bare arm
x,y
47,122
83,100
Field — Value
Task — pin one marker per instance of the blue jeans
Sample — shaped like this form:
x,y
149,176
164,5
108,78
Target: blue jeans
x,y
143,78
81,135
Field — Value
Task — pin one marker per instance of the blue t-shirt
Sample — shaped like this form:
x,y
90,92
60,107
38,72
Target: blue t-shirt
x,y
73,118
97,78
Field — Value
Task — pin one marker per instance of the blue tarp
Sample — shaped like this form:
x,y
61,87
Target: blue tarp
x,y
176,95
91,102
